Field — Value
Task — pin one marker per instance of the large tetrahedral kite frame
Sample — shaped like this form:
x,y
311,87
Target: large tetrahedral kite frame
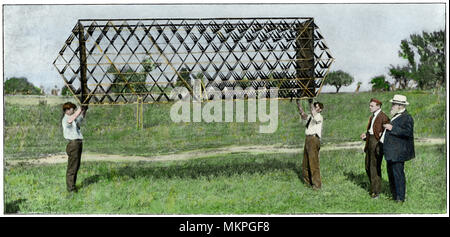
x,y
127,61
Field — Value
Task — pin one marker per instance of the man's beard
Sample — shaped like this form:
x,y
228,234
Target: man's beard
x,y
394,111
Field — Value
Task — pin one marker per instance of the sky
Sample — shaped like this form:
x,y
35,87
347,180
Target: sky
x,y
363,38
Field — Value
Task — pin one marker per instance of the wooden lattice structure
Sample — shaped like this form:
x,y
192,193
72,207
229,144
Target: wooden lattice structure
x,y
123,61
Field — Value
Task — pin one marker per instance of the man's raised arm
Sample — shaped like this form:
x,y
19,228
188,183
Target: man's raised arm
x,y
312,107
74,116
302,112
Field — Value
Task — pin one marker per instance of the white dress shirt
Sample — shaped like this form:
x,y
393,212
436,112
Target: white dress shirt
x,y
373,120
315,126
395,116
71,131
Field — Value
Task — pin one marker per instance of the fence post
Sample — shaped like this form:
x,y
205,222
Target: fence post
x,y
140,113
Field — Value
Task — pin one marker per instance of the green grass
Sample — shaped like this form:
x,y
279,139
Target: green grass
x,y
232,184
228,184
32,131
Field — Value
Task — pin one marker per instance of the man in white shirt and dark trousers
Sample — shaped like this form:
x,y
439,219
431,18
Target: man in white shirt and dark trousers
x,y
71,130
313,132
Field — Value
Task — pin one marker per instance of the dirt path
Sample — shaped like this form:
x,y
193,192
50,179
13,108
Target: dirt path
x,y
252,149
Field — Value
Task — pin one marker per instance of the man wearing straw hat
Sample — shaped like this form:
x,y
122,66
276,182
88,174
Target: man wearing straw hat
x,y
398,146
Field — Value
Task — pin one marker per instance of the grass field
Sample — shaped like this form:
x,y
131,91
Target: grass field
x,y
238,183
235,184
32,131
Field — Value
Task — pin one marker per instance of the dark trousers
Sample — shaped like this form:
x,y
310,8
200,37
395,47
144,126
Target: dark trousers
x,y
73,149
397,180
310,165
374,158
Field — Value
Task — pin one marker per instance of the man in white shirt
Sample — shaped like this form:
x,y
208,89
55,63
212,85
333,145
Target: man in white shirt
x,y
313,132
71,131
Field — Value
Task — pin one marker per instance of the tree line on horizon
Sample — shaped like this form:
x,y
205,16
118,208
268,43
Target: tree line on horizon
x,y
424,69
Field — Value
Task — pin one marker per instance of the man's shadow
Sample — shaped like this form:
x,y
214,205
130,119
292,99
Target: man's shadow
x,y
90,180
362,180
14,206
195,171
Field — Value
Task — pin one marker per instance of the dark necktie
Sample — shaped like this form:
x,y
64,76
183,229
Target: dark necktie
x,y
309,120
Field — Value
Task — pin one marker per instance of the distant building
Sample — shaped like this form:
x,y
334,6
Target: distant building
x,y
55,91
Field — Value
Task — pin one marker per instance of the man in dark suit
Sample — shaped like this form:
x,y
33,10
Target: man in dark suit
x,y
374,148
398,145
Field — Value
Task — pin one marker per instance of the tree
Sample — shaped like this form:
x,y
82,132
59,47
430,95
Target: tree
x,y
429,70
379,83
148,65
431,51
65,91
401,75
338,79
183,74
20,85
128,80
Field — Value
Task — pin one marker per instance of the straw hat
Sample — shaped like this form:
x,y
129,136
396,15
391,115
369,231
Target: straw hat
x,y
399,99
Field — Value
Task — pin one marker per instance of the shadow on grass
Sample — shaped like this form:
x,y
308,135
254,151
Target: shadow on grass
x,y
196,171
362,180
13,207
90,180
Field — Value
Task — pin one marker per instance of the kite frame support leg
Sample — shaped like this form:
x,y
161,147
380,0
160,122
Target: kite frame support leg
x,y
83,64
139,113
